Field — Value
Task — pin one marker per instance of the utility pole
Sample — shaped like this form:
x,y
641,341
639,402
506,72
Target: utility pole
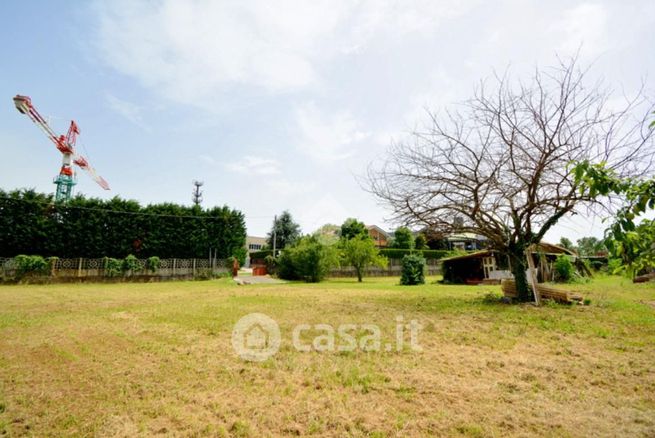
x,y
274,235
197,194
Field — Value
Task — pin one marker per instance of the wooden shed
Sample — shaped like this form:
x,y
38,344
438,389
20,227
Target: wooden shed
x,y
488,266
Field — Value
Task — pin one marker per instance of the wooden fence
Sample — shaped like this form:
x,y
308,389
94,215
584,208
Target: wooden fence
x,y
97,268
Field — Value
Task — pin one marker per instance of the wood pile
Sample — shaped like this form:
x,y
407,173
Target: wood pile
x,y
509,290
490,281
644,278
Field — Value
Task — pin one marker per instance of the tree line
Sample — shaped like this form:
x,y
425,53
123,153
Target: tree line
x,y
310,257
31,223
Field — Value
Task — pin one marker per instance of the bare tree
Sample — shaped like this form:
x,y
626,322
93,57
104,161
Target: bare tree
x,y
502,163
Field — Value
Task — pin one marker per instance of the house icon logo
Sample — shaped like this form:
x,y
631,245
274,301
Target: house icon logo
x,y
256,337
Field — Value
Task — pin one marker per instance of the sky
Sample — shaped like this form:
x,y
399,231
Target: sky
x,y
278,105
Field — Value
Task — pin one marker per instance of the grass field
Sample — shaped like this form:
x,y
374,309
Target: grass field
x,y
143,359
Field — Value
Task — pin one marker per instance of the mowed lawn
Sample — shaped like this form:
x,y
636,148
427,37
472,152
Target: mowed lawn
x,y
144,359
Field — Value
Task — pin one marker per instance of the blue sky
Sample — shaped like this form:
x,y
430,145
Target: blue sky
x,y
277,105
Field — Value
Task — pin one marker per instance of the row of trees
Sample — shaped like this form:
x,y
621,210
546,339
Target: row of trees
x,y
31,223
286,232
311,257
586,246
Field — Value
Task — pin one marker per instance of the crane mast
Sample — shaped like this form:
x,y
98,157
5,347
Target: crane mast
x,y
65,180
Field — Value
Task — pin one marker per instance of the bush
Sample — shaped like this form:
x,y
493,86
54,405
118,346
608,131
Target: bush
x,y
31,265
130,265
153,263
240,254
271,264
285,266
614,266
308,260
413,270
206,274
564,269
259,255
421,242
113,267
597,265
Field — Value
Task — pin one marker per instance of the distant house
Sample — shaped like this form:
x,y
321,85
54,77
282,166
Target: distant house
x,y
466,241
379,236
489,266
255,243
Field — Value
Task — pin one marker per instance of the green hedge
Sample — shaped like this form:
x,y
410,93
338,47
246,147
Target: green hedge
x,y
32,223
261,254
394,253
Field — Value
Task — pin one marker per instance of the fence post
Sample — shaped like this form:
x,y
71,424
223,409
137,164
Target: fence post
x,y
174,267
194,267
79,268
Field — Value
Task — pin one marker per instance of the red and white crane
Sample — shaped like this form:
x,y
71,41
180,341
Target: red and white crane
x,y
66,145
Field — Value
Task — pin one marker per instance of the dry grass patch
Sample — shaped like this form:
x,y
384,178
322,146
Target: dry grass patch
x,y
144,359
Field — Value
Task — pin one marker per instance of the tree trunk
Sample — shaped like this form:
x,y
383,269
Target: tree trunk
x,y
359,274
519,266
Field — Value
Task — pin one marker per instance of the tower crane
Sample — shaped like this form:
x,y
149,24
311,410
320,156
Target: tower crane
x,y
66,145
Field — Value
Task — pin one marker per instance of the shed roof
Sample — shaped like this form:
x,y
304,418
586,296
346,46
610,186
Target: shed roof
x,y
471,255
543,247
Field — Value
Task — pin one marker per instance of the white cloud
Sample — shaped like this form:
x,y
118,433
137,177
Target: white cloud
x,y
190,51
252,165
326,138
196,51
129,110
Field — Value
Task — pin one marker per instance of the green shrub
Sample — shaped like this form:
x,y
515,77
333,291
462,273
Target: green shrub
x,y
308,260
205,274
285,265
31,265
413,270
153,263
421,242
113,267
240,254
564,269
130,265
271,264
261,254
614,266
597,265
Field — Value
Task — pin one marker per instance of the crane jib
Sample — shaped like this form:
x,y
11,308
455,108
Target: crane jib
x,y
66,145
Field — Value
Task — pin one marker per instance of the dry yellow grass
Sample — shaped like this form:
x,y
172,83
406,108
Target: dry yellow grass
x,y
144,359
